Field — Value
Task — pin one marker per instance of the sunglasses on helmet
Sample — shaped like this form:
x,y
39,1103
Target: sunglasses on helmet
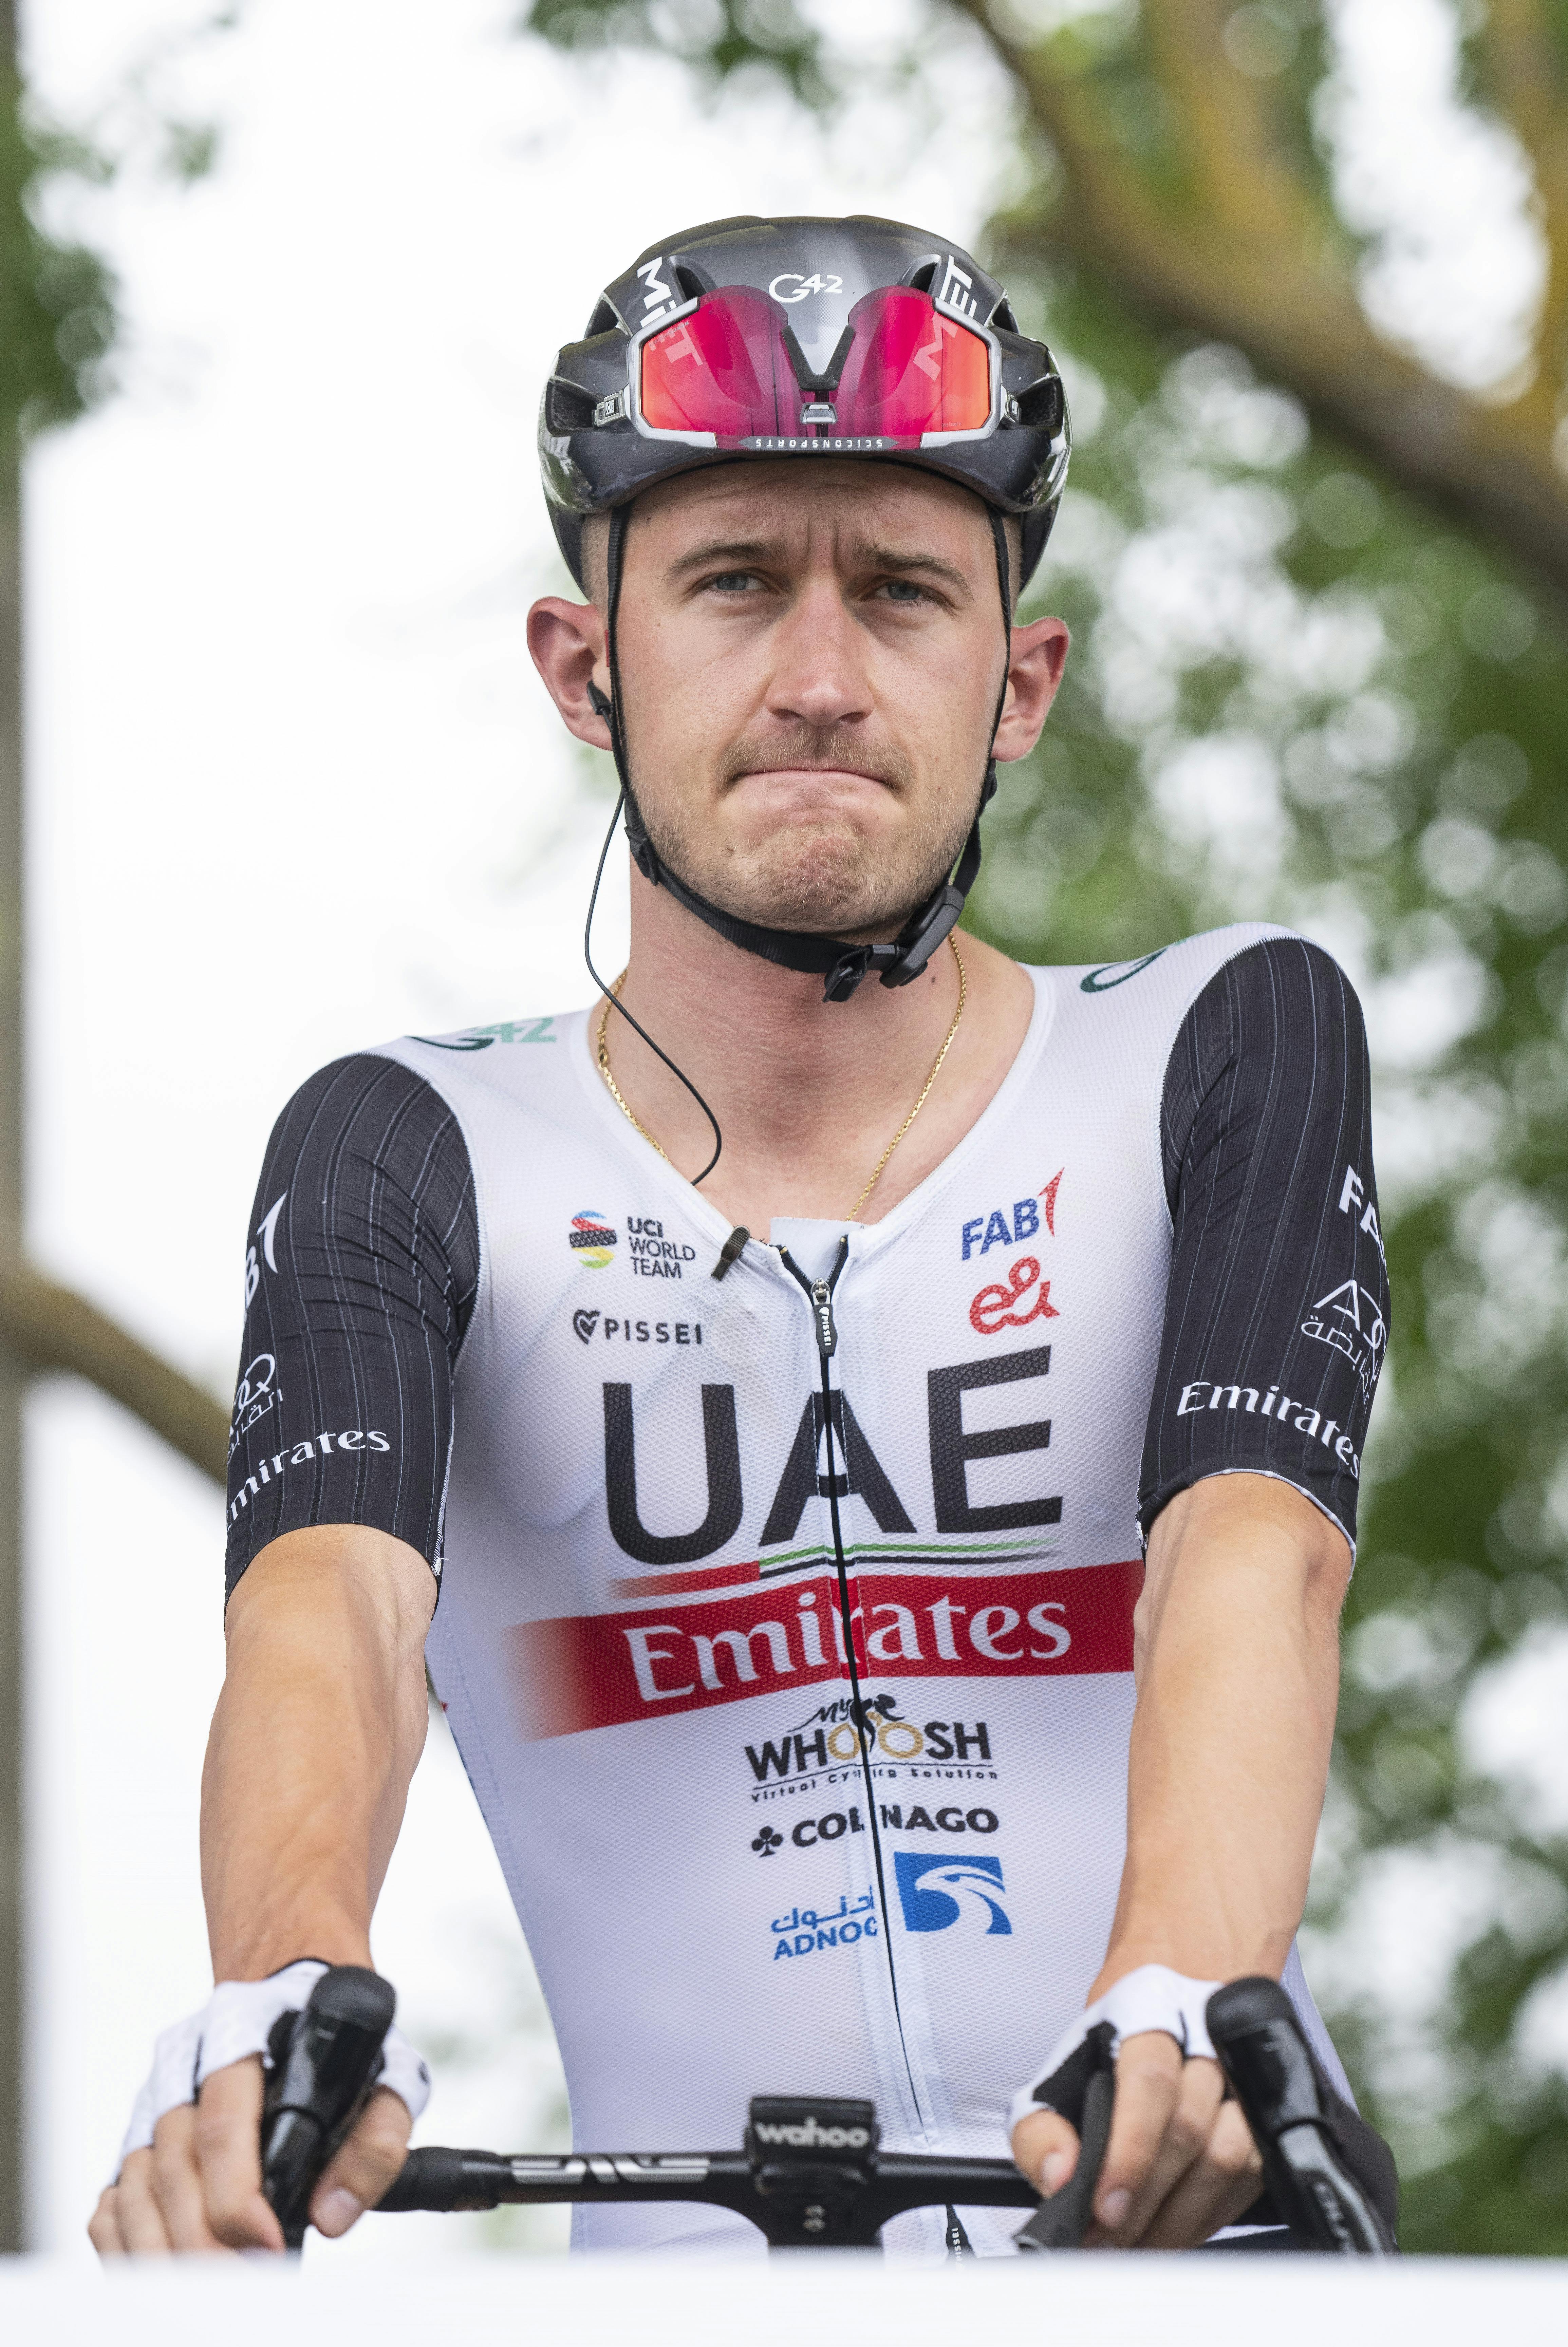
x,y
727,372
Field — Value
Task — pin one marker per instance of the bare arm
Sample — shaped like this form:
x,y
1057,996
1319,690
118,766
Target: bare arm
x,y
1237,1665
316,1737
314,1743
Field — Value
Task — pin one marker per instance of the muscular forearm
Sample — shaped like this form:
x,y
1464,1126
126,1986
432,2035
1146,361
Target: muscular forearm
x,y
314,1741
1237,1666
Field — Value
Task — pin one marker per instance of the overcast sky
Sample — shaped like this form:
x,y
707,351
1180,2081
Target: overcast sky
x,y
294,788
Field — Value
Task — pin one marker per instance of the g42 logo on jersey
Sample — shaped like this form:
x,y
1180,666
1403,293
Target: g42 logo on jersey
x,y
938,1892
803,286
504,1031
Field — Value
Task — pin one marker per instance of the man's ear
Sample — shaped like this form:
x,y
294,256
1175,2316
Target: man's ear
x,y
1038,657
567,643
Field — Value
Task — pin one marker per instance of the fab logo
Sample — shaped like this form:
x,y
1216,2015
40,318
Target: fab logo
x,y
592,1238
1011,1225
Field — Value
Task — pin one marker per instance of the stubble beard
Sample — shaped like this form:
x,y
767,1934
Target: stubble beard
x,y
822,875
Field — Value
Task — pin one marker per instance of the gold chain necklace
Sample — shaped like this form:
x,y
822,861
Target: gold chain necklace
x,y
881,1166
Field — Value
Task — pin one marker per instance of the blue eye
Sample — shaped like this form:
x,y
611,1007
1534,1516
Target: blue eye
x,y
733,582
902,590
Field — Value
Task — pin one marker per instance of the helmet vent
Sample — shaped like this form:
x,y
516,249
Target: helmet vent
x,y
568,408
922,278
1043,406
1002,316
605,317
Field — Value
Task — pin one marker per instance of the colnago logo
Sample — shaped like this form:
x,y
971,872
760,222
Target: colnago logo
x,y
599,1669
810,2134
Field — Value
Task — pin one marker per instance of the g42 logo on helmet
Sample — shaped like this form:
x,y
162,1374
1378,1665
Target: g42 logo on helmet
x,y
803,286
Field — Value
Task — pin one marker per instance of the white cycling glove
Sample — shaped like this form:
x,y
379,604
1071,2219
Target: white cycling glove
x,y
235,2022
1152,1997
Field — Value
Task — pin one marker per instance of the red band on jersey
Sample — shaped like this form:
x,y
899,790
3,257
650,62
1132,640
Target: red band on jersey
x,y
597,1670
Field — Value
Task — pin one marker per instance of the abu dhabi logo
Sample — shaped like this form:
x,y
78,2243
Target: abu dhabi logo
x,y
938,1892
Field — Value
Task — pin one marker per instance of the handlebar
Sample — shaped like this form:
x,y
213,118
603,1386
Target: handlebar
x,y
811,2173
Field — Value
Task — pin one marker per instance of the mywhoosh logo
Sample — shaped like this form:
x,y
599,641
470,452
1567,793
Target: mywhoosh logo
x,y
592,1238
930,1890
1116,973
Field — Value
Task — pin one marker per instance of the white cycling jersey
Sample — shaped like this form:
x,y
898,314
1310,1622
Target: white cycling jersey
x,y
475,1291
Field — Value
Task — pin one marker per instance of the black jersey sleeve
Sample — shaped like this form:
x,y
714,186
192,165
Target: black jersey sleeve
x,y
360,1280
1277,1317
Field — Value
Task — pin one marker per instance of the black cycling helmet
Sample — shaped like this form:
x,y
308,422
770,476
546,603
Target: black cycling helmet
x,y
804,338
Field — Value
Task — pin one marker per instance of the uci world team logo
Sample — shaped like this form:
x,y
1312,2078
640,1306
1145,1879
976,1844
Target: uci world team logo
x,y
938,1892
592,1238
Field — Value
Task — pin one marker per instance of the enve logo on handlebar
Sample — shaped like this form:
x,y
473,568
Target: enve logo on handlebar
x,y
812,2172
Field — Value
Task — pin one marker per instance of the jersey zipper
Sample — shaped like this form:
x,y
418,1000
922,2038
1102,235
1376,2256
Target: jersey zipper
x,y
820,1292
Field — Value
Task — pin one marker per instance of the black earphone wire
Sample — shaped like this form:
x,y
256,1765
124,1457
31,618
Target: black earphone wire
x,y
611,997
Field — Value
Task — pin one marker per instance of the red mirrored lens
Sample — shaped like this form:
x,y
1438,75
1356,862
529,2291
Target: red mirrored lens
x,y
911,370
723,369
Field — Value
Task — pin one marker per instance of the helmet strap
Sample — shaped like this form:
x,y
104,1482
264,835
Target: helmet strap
x,y
841,964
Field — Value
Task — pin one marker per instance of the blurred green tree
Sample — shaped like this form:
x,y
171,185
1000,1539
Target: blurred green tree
x,y
1315,591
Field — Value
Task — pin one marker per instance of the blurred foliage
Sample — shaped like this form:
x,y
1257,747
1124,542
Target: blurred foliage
x,y
1297,693
56,300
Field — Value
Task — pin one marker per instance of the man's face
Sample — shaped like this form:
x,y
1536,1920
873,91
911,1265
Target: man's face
x,y
810,661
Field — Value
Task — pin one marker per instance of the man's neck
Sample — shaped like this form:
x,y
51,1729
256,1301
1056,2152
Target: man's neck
x,y
808,1094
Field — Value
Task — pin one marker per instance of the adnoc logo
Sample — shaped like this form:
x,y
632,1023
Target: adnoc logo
x,y
592,1237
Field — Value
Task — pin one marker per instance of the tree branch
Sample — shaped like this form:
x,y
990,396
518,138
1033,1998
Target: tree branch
x,y
53,1329
1491,469
1523,65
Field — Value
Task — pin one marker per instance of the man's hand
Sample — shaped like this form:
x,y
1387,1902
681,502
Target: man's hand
x,y
1180,2162
200,2186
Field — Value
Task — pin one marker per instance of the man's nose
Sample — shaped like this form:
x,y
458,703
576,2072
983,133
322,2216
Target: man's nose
x,y
819,672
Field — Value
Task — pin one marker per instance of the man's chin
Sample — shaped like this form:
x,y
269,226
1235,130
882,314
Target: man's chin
x,y
859,908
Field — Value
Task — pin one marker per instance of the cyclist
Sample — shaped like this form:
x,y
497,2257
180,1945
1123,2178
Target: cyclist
x,y
890,1576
